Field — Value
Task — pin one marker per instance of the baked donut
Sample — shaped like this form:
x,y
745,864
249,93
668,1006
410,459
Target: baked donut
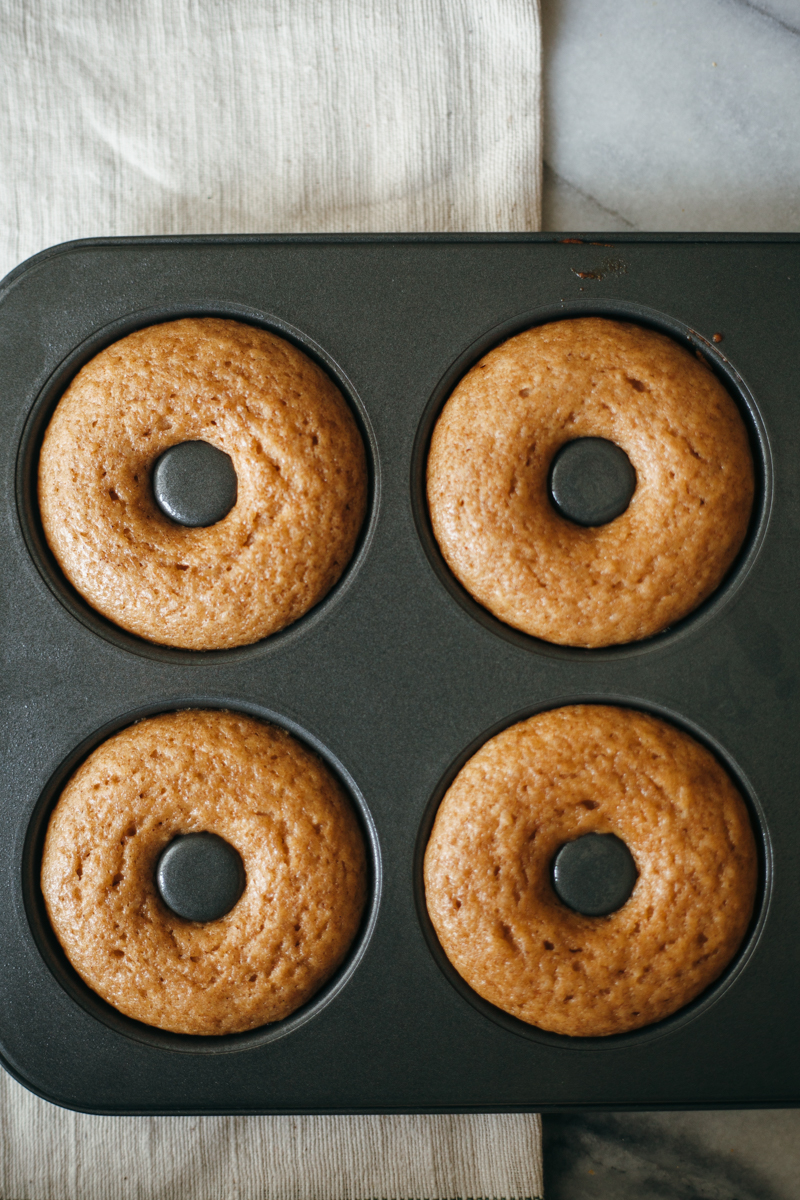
x,y
548,781
488,493
269,798
300,472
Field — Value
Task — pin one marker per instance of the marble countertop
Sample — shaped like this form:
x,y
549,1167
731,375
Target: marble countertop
x,y
672,115
673,1156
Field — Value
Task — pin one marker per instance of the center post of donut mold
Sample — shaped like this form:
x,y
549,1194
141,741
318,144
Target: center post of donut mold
x,y
200,876
595,874
195,484
592,481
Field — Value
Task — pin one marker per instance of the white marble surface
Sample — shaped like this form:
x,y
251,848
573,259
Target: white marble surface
x,y
672,115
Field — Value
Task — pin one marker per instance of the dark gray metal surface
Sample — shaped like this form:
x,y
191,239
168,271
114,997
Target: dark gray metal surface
x,y
592,481
194,484
398,676
594,874
200,876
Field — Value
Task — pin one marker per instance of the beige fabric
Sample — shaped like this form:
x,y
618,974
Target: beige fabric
x,y
219,116
240,116
47,1153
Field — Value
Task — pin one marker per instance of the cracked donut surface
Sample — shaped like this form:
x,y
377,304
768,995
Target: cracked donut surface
x,y
300,466
553,778
488,493
265,794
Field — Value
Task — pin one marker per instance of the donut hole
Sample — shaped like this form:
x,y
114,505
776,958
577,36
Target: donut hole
x,y
195,484
594,875
200,876
591,481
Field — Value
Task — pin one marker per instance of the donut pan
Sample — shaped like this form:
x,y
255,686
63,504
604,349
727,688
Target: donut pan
x,y
397,676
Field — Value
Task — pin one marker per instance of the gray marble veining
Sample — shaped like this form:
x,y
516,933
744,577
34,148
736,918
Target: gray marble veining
x,y
672,115
673,1156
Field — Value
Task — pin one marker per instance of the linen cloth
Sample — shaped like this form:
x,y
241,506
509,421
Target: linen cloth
x,y
51,1154
253,116
249,116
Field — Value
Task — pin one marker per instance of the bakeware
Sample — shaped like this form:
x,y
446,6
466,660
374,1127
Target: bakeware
x,y
398,676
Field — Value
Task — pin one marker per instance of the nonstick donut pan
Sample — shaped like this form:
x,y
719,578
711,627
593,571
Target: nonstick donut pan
x,y
398,676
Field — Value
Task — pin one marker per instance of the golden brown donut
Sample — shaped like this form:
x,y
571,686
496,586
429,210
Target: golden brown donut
x,y
272,800
298,456
488,492
551,779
